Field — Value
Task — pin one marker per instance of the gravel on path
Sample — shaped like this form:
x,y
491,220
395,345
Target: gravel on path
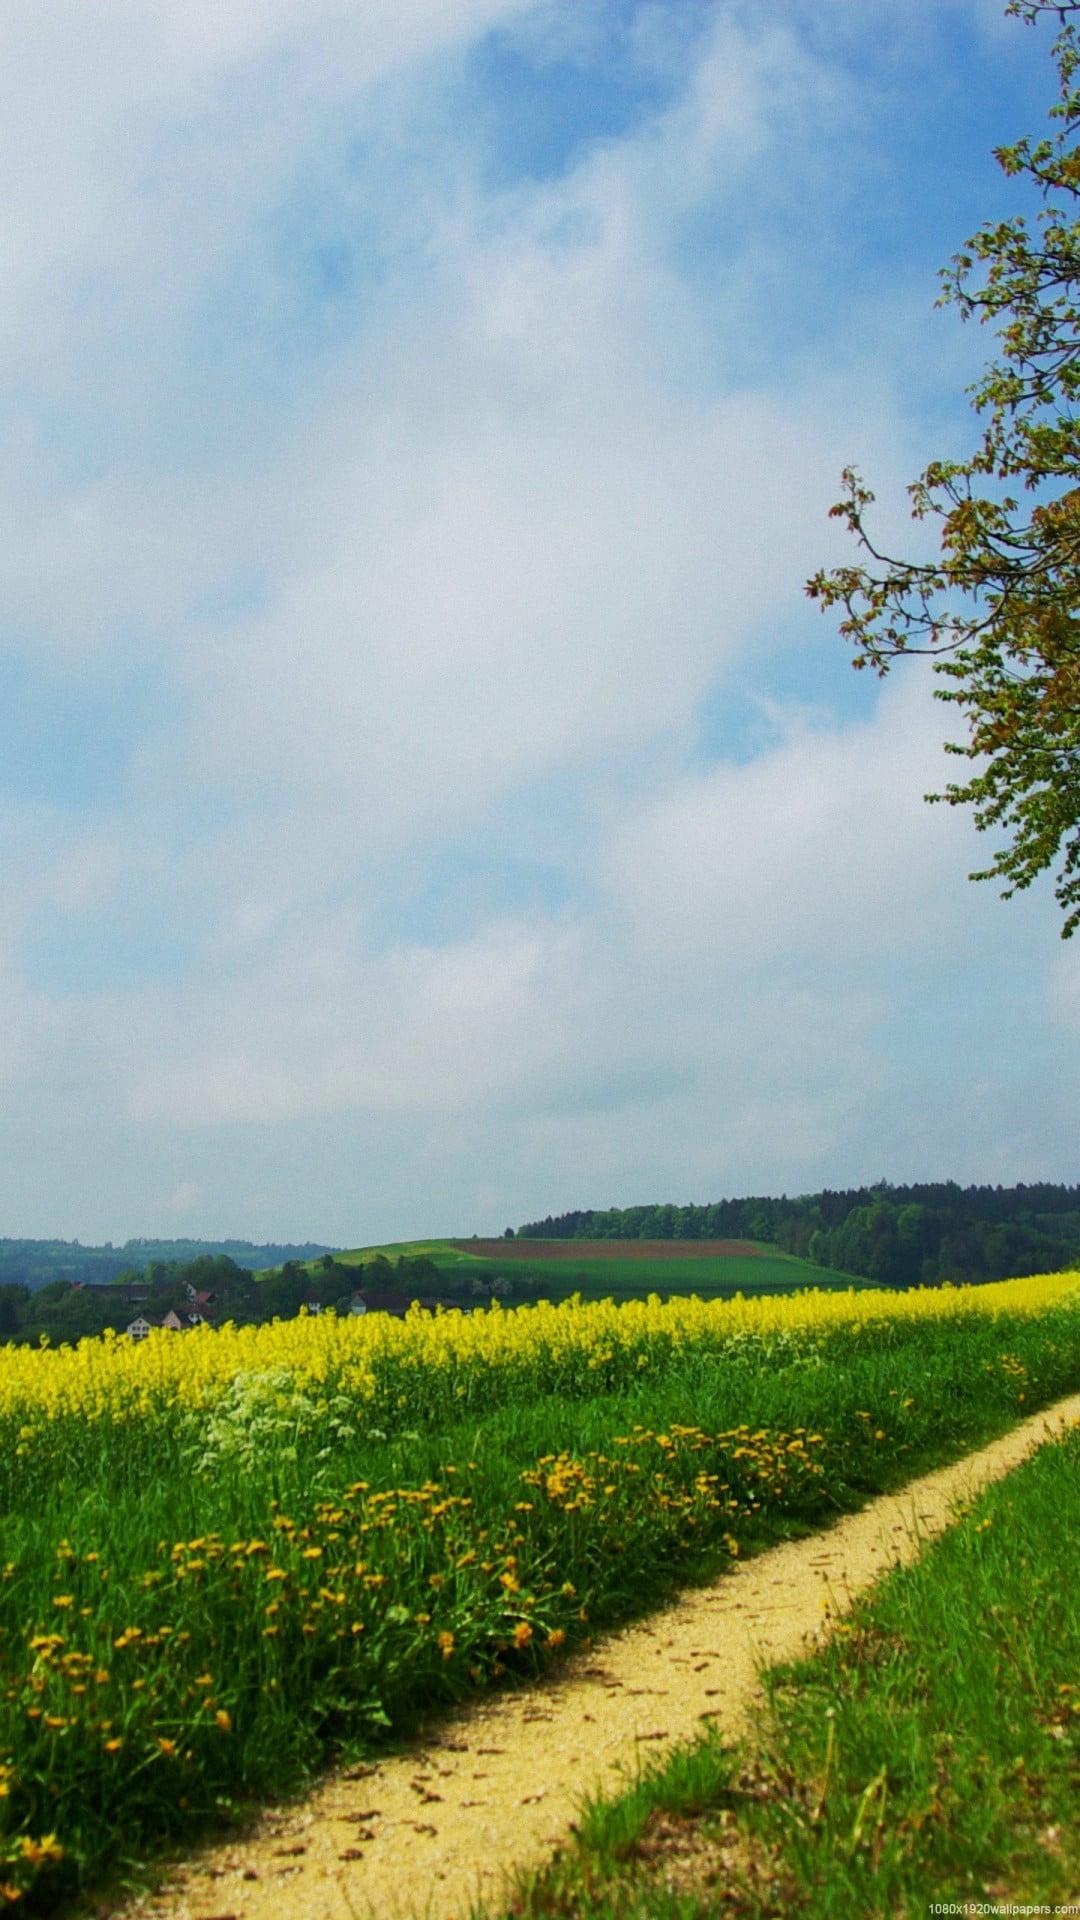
x,y
496,1787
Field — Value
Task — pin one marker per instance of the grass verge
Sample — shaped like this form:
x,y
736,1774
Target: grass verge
x,y
594,1277
930,1755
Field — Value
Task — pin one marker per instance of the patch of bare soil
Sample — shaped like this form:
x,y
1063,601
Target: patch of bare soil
x,y
496,1789
711,1855
580,1250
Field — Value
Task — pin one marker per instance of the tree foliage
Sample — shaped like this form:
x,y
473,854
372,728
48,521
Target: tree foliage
x,y
896,1236
998,609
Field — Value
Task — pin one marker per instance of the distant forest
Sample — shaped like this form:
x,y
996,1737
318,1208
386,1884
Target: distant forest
x,y
898,1236
39,1263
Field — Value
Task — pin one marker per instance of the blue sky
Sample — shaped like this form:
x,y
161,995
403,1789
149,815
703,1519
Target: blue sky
x,y
426,798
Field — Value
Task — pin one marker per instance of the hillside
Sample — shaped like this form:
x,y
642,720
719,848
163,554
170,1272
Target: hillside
x,y
905,1236
467,1272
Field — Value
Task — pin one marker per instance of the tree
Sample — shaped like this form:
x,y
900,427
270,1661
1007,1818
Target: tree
x,y
282,1294
13,1301
998,610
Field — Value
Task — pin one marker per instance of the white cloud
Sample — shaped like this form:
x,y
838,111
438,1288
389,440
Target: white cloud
x,y
325,1029
550,596
185,1197
821,847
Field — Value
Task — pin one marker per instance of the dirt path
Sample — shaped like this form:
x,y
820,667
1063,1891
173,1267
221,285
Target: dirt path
x,y
426,1832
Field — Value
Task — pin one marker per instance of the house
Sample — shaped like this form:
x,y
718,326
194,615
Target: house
x,y
171,1322
382,1301
386,1301
141,1326
198,1297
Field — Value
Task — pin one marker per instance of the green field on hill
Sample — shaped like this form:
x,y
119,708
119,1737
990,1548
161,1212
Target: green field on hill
x,y
578,1267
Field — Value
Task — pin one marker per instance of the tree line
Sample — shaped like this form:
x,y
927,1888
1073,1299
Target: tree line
x,y
902,1236
37,1263
67,1310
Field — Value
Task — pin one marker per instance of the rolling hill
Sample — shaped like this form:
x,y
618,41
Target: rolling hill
x,y
520,1270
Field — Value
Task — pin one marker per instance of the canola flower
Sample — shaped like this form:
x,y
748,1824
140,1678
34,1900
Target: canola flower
x,y
379,1365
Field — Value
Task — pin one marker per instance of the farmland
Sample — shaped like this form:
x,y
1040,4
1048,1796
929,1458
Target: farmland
x,y
631,1269
232,1554
599,1270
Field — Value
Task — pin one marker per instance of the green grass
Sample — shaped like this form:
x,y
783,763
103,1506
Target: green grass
x,y
931,1754
718,1277
595,1278
228,1685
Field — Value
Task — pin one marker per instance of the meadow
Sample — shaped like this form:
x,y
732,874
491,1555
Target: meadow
x,y
233,1554
710,1277
620,1270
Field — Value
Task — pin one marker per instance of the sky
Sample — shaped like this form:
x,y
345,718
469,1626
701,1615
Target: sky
x,y
428,800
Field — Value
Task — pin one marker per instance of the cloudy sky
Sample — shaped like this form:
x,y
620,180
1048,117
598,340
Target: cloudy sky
x,y
426,798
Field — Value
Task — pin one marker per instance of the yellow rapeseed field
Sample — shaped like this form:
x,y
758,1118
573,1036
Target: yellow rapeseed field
x,y
375,1359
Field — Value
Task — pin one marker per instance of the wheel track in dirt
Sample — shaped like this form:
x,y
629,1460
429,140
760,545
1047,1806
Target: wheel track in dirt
x,y
496,1787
